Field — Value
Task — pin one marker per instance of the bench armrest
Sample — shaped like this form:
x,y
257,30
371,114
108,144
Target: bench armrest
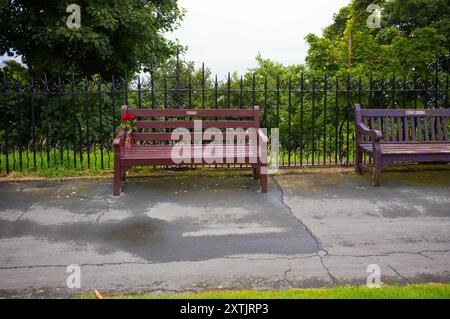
x,y
374,134
262,136
120,139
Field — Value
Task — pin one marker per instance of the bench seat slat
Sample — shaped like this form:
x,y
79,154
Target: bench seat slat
x,y
151,137
438,124
413,129
190,124
386,129
433,128
404,112
393,129
164,152
419,128
406,128
400,129
445,128
410,148
427,134
191,112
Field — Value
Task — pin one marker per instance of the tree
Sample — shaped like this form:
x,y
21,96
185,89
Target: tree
x,y
412,34
115,37
409,15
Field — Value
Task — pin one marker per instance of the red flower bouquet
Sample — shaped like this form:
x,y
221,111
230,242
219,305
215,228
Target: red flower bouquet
x,y
129,121
129,124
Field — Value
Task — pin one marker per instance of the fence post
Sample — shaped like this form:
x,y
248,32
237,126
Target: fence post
x,y
436,84
113,106
165,92
404,92
446,93
126,89
33,120
290,121
348,118
18,108
140,93
360,90
336,122
229,91
152,84
265,101
278,101
415,88
6,122
313,121
47,129
74,120
177,81
302,91
253,89
203,85
241,93
100,108
394,92
324,148
86,118
61,120
190,90
216,92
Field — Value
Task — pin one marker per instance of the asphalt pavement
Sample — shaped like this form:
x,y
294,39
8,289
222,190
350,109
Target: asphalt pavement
x,y
177,234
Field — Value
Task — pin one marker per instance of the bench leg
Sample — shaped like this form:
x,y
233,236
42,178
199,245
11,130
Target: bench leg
x,y
117,181
378,165
124,174
256,173
358,161
263,180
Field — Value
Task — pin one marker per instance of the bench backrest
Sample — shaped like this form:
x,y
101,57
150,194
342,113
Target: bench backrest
x,y
404,125
157,125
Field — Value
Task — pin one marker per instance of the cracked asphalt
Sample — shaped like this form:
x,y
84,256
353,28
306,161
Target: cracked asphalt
x,y
193,233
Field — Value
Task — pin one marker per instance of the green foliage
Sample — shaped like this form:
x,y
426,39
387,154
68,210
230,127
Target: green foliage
x,y
410,15
115,38
413,34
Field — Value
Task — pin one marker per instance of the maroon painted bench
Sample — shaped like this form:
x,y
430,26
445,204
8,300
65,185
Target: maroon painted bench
x,y
393,136
154,143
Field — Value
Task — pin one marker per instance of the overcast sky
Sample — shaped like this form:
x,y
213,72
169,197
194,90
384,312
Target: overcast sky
x,y
227,35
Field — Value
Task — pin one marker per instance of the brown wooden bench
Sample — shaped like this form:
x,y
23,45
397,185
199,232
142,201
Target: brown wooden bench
x,y
392,136
155,142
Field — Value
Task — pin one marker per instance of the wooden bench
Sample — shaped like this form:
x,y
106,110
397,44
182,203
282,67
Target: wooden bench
x,y
155,142
392,136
